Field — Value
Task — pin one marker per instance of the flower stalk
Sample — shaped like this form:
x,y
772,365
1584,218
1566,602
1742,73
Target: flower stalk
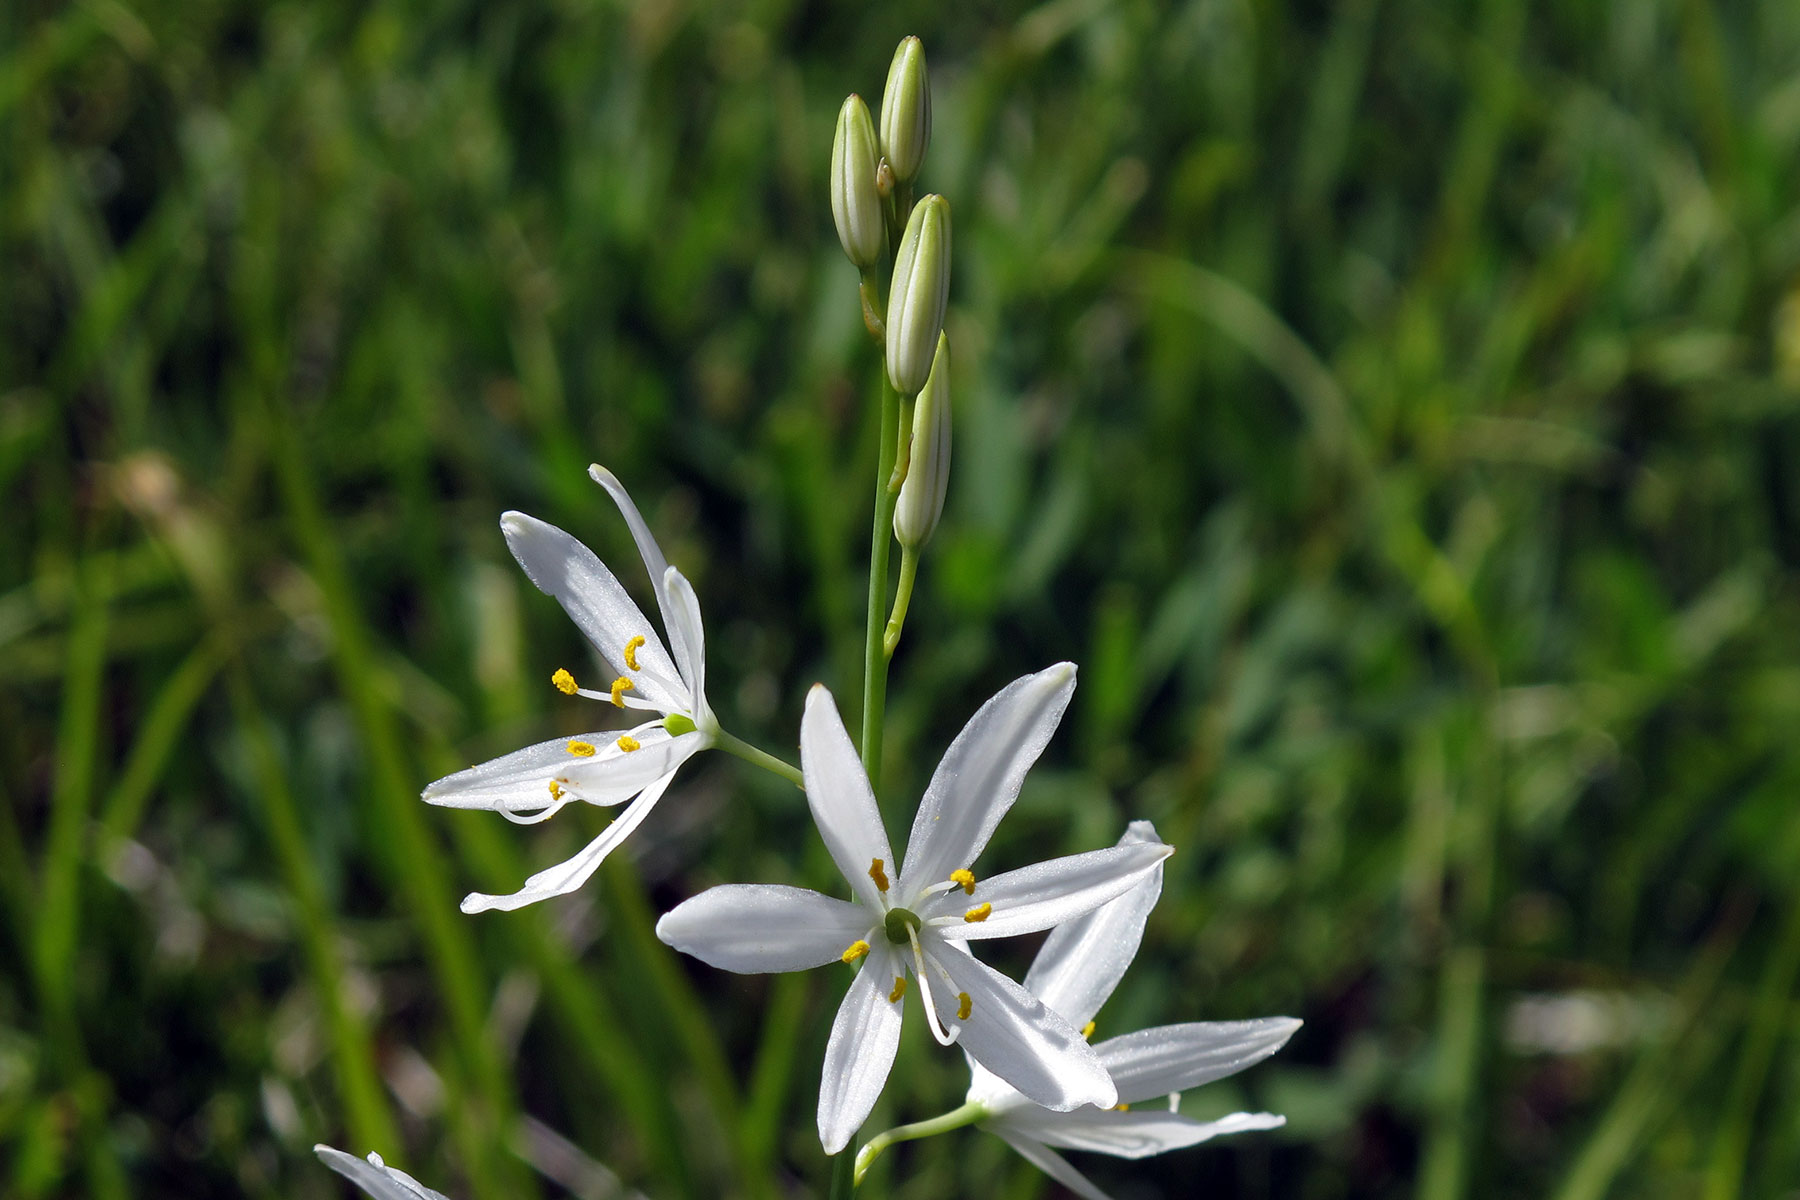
x,y
956,1118
875,658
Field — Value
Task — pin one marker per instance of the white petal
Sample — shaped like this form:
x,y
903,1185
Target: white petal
x,y
1012,1034
1052,1164
375,1177
684,606
654,562
565,877
757,927
1083,960
562,567
1174,1058
980,775
1045,894
1127,1134
614,774
861,1049
842,805
515,783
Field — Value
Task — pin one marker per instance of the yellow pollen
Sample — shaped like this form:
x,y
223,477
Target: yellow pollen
x,y
631,649
964,1007
965,878
564,682
555,790
627,743
857,949
620,686
899,989
979,913
1087,1031
877,874
582,749
1121,1108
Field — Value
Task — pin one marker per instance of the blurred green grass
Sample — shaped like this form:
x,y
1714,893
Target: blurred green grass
x,y
1392,406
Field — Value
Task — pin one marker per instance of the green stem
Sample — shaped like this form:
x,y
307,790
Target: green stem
x,y
874,661
909,567
768,762
841,1182
956,1118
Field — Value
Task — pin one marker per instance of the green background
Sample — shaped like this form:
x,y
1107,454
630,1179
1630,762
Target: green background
x,y
1392,405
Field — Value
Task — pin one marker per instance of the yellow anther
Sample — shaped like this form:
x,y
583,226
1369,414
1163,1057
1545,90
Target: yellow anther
x,y
964,1006
965,878
555,790
631,649
857,949
582,749
878,875
564,682
1087,1031
627,743
620,686
1121,1108
899,989
979,913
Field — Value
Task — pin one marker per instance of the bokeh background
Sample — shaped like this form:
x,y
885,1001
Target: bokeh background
x,y
1393,406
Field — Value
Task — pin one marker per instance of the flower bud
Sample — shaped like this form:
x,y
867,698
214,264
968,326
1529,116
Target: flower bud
x,y
855,204
921,500
906,110
916,299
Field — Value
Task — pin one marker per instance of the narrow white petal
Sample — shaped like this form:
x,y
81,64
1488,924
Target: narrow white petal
x,y
654,562
1126,1134
614,774
516,783
860,1051
1012,1034
684,606
1174,1058
980,775
375,1177
842,805
562,567
752,928
1083,960
1045,894
1051,1163
565,877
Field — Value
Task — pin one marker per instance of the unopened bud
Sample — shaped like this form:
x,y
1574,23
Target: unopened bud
x,y
906,110
921,500
921,287
855,204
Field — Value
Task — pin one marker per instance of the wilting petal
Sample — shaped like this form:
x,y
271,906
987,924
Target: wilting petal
x,y
843,807
562,567
1127,1134
1083,960
860,1052
565,877
1045,894
979,776
375,1177
752,928
684,606
1174,1058
1051,1163
1012,1034
654,562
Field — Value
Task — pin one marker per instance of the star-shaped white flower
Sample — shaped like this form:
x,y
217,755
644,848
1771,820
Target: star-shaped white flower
x,y
375,1177
603,768
920,918
1077,969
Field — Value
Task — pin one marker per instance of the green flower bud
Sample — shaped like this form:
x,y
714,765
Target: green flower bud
x,y
921,500
906,110
855,204
916,299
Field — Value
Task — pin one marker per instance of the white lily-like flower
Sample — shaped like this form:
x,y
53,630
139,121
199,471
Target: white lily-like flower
x,y
921,917
375,1177
1074,974
602,768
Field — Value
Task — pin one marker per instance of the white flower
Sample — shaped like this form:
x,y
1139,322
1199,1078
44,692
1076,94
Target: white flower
x,y
921,917
1077,969
376,1177
603,768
